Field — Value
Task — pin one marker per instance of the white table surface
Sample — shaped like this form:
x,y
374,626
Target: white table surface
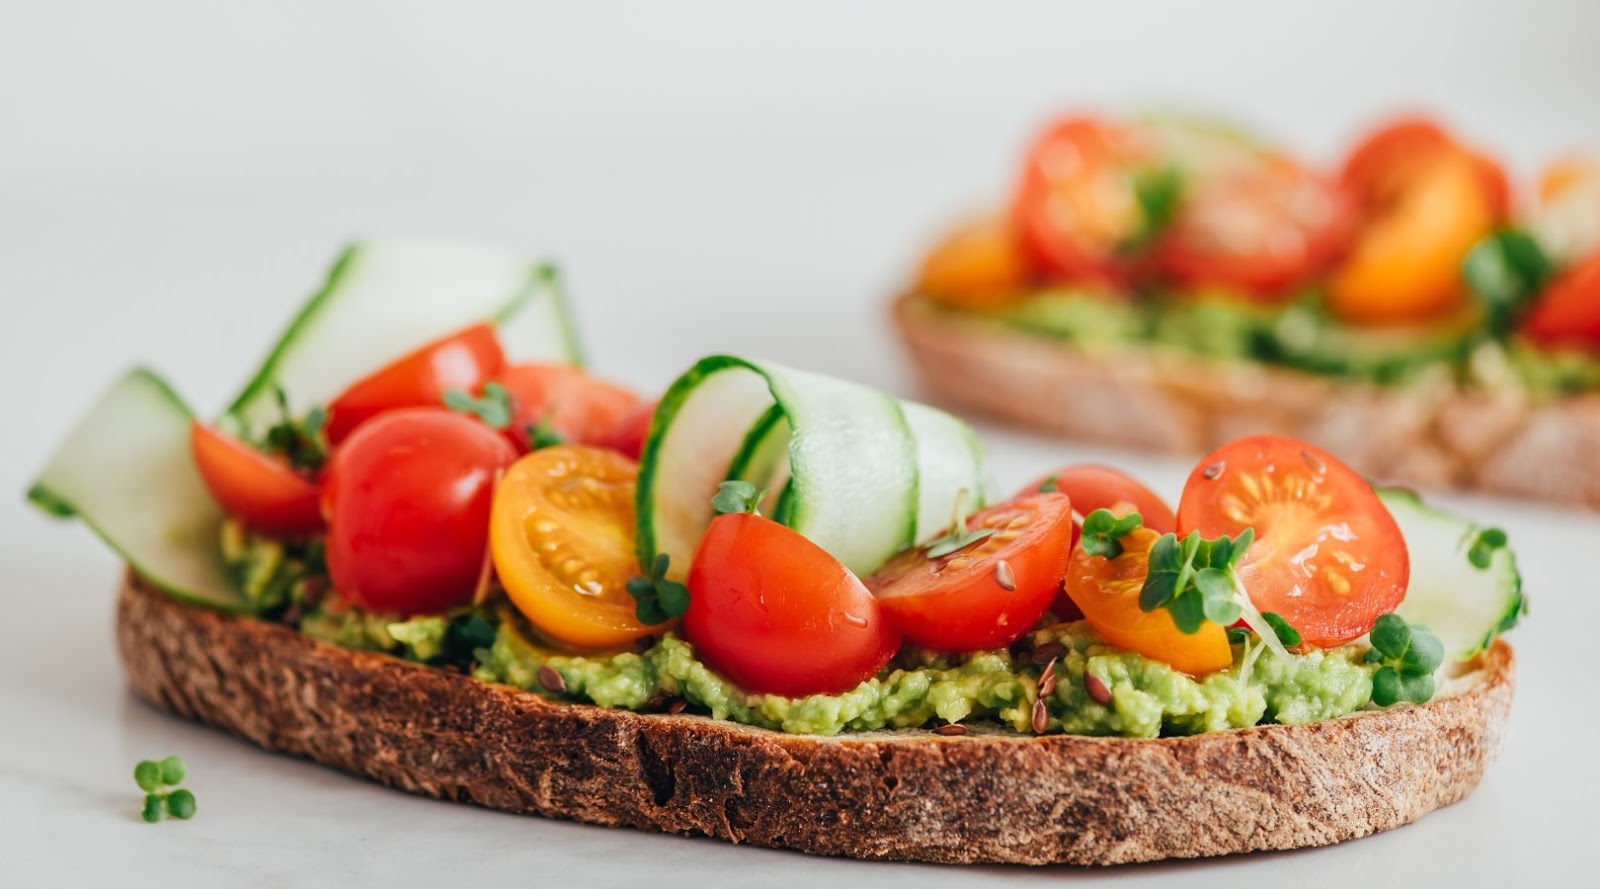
x,y
173,179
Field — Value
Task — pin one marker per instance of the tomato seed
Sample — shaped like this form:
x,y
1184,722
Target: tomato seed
x,y
954,728
1097,689
1213,472
1047,652
1004,576
551,680
1041,717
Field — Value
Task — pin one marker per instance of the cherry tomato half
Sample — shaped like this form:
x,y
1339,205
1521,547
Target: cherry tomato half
x,y
576,407
1262,231
1076,207
1424,201
1107,591
978,266
775,613
1567,313
561,534
1327,555
407,497
989,593
464,360
264,493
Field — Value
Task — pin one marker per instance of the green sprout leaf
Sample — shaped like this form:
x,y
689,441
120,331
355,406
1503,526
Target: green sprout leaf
x,y
1158,191
148,775
181,804
155,807
300,440
657,599
1481,552
734,497
1505,271
1103,532
543,435
172,770
1050,485
493,407
1288,635
958,537
1194,579
1407,655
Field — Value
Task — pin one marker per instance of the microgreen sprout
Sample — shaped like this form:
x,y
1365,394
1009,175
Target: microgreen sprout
x,y
1103,532
1505,271
1288,635
493,407
736,496
1050,485
1409,654
958,537
1196,580
542,434
302,440
1483,547
156,778
657,599
1158,191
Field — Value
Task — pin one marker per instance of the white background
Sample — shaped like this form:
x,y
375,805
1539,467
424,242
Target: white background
x,y
714,177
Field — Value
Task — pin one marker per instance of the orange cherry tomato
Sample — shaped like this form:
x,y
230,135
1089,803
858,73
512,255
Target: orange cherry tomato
x,y
576,407
264,493
1107,591
1424,201
1261,230
979,266
407,498
1076,207
988,594
1327,555
561,534
1567,313
775,613
463,360
1566,219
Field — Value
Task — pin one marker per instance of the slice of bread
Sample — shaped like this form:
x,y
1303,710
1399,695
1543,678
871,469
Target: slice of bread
x,y
990,796
1430,433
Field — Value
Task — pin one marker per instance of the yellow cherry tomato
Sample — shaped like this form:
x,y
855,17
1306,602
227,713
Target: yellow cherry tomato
x,y
561,534
1107,591
979,266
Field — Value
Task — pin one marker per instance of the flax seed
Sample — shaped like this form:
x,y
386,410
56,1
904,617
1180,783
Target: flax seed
x,y
551,680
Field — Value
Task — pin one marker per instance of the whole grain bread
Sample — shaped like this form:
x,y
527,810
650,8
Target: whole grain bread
x,y
1429,433
910,795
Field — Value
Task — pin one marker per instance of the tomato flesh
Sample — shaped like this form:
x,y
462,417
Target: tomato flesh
x,y
775,613
985,595
1327,555
407,498
576,407
264,493
562,538
1107,592
1567,313
979,266
463,360
1076,207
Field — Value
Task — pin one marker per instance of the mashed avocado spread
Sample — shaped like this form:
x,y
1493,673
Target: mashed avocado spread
x,y
1147,698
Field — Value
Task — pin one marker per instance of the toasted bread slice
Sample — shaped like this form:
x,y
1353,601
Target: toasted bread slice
x,y
1430,434
990,796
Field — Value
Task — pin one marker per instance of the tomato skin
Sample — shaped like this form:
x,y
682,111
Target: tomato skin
x,y
562,538
463,360
776,614
628,436
1261,231
956,602
1107,592
264,493
577,407
407,497
1567,313
1378,166
977,267
1327,555
1075,206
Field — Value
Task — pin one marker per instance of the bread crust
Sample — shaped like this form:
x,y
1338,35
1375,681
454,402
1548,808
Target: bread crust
x,y
1431,434
985,797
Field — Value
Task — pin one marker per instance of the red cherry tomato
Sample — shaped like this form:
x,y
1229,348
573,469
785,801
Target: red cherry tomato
x,y
576,407
1327,555
264,493
1076,208
1567,313
775,613
988,594
1262,230
1090,487
463,360
407,498
628,436
1377,170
